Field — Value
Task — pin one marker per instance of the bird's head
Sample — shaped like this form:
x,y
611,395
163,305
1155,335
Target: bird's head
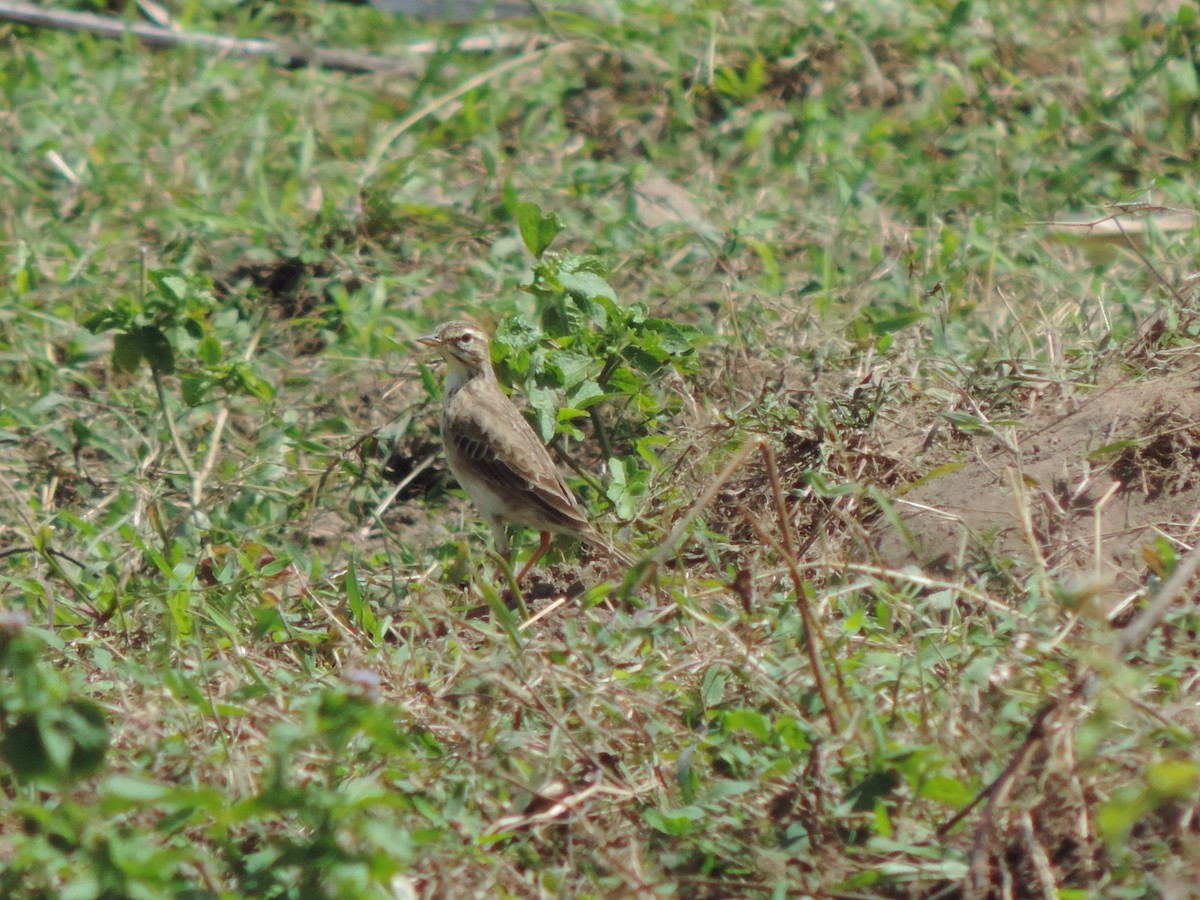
x,y
460,342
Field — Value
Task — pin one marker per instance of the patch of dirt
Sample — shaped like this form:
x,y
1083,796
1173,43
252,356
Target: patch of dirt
x,y
292,289
1084,485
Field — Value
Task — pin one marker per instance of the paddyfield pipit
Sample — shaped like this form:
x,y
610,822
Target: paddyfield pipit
x,y
496,456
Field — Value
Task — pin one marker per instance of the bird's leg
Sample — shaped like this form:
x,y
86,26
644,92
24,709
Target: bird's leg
x,y
542,548
503,551
500,536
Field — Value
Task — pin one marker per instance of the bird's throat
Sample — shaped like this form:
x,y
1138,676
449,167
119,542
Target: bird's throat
x,y
459,375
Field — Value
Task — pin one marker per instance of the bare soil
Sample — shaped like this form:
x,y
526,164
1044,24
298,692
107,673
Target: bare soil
x,y
1089,485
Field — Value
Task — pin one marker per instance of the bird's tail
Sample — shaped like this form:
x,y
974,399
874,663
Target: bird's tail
x,y
620,555
600,542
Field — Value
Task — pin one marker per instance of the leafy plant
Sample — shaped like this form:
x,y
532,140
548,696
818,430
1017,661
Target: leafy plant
x,y
583,349
174,317
583,346
49,734
305,707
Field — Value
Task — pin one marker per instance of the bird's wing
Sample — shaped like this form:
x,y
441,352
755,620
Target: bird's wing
x,y
504,450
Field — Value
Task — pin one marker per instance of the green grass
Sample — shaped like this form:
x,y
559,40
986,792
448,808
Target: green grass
x,y
306,698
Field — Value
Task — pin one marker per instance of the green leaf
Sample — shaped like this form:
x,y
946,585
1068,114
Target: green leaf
x,y
561,318
1173,778
744,86
585,286
537,230
570,368
243,377
194,387
353,594
142,790
1116,818
892,324
67,741
509,198
948,791
566,424
171,284
22,748
712,686
118,318
210,350
55,741
676,823
544,403
673,338
127,352
153,346
876,785
958,16
747,720
587,394
88,728
1111,449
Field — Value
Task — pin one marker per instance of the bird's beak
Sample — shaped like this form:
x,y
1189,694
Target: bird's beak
x,y
430,340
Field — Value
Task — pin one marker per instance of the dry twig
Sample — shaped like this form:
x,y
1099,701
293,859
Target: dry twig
x,y
1080,688
292,53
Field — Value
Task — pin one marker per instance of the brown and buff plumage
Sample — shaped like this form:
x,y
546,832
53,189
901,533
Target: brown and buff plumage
x,y
496,456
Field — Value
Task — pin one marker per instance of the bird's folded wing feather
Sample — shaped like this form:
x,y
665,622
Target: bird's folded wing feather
x,y
506,451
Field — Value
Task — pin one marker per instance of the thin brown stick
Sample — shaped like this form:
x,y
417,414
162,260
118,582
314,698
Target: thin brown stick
x,y
814,638
214,441
1138,630
290,52
795,550
9,551
1081,686
1037,731
670,544
375,160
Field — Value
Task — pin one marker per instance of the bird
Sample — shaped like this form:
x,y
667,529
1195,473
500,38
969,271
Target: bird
x,y
496,456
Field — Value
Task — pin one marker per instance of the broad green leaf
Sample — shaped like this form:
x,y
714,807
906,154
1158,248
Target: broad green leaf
x,y
243,376
892,324
677,822
22,748
119,317
172,285
210,350
544,404
1173,778
712,686
537,230
128,787
193,386
946,790
673,338
155,348
586,285
587,394
747,720
127,352
570,368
